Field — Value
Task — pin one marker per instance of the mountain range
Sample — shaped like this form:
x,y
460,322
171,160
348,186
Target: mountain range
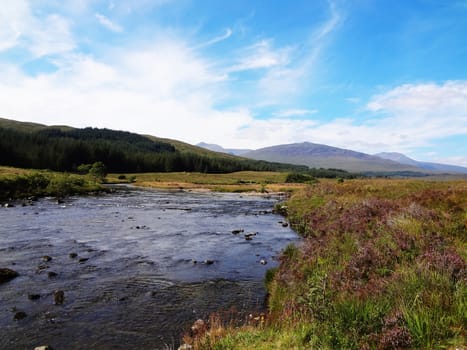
x,y
323,156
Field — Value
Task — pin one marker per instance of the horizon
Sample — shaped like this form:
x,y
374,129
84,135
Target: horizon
x,y
366,76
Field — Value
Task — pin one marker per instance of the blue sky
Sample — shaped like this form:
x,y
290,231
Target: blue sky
x,y
368,75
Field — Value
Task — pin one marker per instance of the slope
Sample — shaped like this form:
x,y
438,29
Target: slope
x,y
323,156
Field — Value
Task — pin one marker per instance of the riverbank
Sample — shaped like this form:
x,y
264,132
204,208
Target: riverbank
x,y
25,184
382,266
237,182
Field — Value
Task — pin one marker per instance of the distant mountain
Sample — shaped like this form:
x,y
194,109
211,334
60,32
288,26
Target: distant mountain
x,y
323,156
401,158
217,148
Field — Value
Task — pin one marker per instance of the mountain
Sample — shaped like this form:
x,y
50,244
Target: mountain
x,y
63,148
216,148
403,159
323,156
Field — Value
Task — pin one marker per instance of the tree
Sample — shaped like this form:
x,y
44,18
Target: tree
x,y
98,171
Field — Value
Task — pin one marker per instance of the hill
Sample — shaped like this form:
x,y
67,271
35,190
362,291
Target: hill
x,y
217,148
323,156
403,159
63,148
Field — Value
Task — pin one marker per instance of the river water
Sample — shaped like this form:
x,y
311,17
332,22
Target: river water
x,y
137,267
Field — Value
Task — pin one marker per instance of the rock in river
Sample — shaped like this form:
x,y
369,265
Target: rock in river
x,y
19,315
59,297
34,296
7,274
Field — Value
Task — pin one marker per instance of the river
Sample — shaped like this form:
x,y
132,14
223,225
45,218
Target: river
x,y
137,267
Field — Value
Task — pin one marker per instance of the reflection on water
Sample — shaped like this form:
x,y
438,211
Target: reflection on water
x,y
137,267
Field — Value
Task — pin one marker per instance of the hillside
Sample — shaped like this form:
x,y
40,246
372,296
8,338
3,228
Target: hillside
x,y
217,148
62,148
403,159
322,156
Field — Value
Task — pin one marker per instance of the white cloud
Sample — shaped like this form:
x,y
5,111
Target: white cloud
x,y
424,111
107,23
295,113
457,160
40,35
261,55
12,15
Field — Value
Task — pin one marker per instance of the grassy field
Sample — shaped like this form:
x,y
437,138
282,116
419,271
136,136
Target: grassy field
x,y
243,181
382,266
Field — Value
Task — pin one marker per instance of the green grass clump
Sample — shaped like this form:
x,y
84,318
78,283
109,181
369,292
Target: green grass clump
x,y
17,184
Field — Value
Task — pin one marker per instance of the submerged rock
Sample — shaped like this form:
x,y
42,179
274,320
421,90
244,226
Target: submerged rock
x,y
73,255
34,296
236,232
52,274
43,347
46,258
59,297
7,274
209,262
263,262
249,236
20,315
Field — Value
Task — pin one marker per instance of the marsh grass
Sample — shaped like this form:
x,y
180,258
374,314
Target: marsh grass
x,y
382,266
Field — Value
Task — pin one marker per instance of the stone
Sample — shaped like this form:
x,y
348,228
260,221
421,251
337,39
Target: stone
x,y
59,297
185,347
20,315
7,274
198,328
34,296
43,347
73,255
236,232
46,258
82,260
263,262
52,274
208,262
249,236
284,224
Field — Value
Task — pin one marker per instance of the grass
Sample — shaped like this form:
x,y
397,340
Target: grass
x,y
243,181
382,266
21,183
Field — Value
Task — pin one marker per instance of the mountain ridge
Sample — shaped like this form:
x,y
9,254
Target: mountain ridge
x,y
324,156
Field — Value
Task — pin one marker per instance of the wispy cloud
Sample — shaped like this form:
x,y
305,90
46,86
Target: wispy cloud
x,y
260,55
228,33
295,113
286,80
107,23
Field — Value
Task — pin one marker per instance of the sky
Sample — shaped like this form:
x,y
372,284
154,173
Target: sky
x,y
367,75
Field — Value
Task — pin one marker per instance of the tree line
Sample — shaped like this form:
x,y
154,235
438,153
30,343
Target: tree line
x,y
66,149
